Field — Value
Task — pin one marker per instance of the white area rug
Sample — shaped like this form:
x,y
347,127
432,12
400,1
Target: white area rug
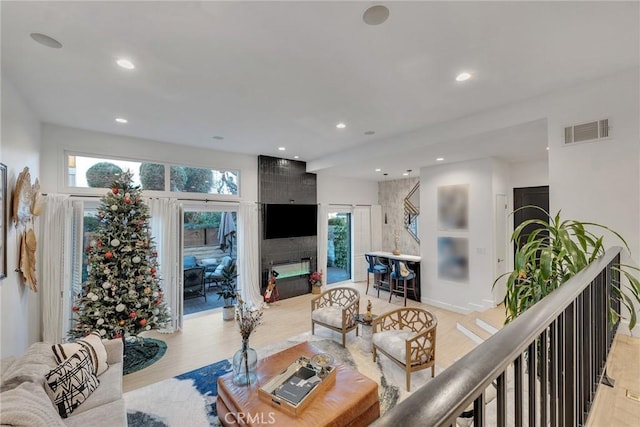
x,y
189,399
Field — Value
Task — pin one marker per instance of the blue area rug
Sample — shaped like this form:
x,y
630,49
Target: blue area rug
x,y
189,399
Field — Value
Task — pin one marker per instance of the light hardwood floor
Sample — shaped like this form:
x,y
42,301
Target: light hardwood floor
x,y
206,339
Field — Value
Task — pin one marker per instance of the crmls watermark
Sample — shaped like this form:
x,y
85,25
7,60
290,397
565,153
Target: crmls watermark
x,y
260,418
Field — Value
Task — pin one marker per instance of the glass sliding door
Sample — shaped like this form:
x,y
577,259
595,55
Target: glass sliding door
x,y
339,247
209,244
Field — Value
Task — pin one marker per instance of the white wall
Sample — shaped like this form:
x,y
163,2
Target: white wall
x,y
19,147
350,191
476,293
56,139
597,181
529,174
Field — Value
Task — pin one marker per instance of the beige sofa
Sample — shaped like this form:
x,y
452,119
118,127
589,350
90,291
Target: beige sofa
x,y
23,397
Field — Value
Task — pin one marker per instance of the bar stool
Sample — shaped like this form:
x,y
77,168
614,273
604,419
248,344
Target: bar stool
x,y
396,275
376,269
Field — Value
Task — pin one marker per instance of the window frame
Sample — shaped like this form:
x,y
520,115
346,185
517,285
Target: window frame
x,y
181,195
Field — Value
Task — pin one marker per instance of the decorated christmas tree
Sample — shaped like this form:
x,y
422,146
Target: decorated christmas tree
x,y
122,295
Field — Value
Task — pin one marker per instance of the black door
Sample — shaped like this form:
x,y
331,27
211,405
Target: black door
x,y
529,196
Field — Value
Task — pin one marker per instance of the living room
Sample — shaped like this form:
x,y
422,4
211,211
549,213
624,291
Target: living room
x,y
495,132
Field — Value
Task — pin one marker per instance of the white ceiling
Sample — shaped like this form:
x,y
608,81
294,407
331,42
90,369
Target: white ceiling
x,y
269,74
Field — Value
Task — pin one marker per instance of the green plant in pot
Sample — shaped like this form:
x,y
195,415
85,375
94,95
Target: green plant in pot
x,y
553,253
228,290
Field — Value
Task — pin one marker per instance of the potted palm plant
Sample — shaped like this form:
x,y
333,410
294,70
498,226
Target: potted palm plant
x,y
555,252
228,291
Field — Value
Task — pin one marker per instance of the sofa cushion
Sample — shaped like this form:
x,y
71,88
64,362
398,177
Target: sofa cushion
x,y
108,415
94,346
30,367
189,262
110,390
394,342
28,405
329,315
71,382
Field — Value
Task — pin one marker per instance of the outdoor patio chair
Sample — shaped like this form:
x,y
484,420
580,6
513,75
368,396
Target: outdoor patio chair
x,y
193,282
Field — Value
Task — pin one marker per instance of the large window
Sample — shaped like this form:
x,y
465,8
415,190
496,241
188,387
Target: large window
x,y
95,172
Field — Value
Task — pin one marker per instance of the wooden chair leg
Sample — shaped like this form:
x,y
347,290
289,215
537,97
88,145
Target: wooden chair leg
x,y
433,371
344,339
313,327
373,350
367,291
408,377
390,289
405,292
415,293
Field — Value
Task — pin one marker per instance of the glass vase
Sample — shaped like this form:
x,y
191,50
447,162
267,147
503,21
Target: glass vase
x,y
245,365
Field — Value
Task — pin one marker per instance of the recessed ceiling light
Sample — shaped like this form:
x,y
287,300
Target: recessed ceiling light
x,y
370,132
439,159
125,63
281,148
218,137
405,174
463,76
296,157
341,125
378,170
121,120
547,148
375,15
46,40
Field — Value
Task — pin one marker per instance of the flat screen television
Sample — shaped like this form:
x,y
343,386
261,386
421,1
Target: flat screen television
x,y
282,221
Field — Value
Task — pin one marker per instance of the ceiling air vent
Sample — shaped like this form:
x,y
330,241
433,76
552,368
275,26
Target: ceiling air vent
x,y
584,132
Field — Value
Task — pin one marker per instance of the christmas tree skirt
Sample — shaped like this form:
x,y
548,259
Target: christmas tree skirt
x,y
141,353
190,399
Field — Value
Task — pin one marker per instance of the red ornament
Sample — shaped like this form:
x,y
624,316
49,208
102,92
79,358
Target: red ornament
x,y
142,322
108,255
99,244
153,270
117,336
133,315
78,325
75,308
115,190
127,200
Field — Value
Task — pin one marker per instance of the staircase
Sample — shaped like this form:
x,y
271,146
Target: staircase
x,y
479,326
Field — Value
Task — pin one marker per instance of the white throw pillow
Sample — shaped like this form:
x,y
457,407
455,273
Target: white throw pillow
x,y
92,343
71,383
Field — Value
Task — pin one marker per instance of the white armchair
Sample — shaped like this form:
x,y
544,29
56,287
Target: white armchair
x,y
407,336
336,309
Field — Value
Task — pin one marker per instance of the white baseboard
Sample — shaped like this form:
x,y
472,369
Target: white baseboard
x,y
487,327
446,306
469,334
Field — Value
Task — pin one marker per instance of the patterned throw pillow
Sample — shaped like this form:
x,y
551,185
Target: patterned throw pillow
x,y
71,383
92,343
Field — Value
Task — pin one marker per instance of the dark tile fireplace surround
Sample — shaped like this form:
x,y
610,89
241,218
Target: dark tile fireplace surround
x,y
284,181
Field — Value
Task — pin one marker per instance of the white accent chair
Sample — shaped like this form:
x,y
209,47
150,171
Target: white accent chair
x,y
336,309
407,336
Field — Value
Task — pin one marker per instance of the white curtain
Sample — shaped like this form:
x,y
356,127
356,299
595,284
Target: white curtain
x,y
55,232
166,229
249,262
361,232
323,232
376,228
